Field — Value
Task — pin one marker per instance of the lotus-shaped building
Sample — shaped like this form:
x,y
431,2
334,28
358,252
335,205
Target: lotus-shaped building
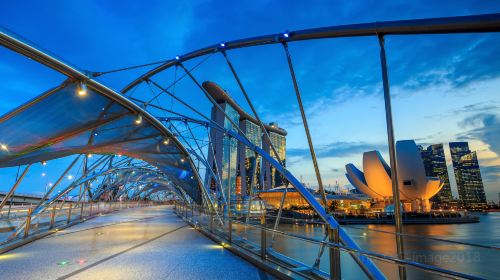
x,y
415,188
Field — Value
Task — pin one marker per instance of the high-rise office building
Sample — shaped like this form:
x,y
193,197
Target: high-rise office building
x,y
435,166
271,177
249,162
467,174
223,150
242,158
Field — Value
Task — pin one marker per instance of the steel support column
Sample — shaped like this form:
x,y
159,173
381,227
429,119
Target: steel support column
x,y
14,187
261,124
306,126
335,268
392,155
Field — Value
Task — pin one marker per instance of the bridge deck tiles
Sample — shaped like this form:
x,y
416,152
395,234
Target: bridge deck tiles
x,y
147,243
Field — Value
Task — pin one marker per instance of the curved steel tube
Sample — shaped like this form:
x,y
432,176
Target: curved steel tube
x,y
366,264
10,41
461,24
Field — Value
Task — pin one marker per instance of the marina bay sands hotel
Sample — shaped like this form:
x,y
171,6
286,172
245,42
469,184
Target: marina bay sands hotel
x,y
233,161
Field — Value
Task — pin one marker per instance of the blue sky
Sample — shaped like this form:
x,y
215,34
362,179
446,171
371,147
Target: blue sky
x,y
445,87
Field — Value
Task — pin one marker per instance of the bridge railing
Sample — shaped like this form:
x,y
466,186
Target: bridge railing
x,y
20,226
296,249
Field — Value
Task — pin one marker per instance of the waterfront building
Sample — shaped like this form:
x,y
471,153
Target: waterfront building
x,y
467,174
415,188
347,203
223,149
247,163
272,178
435,166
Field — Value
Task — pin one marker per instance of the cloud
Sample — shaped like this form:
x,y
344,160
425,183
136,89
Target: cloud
x,y
336,149
486,126
490,173
458,62
478,107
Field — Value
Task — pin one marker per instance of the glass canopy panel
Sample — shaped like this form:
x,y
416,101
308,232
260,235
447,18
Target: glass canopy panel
x,y
61,122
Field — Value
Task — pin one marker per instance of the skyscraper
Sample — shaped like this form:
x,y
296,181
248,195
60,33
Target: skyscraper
x,y
435,166
467,174
242,160
223,150
272,178
248,162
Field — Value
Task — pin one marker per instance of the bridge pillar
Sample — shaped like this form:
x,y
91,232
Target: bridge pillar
x,y
192,212
333,234
52,216
211,220
229,225
68,219
263,237
81,210
28,222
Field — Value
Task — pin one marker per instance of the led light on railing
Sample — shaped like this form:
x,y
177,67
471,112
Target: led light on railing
x,y
286,34
89,155
82,89
223,44
44,163
70,177
177,57
166,141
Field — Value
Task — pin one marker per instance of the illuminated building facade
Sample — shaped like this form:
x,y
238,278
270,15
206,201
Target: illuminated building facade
x,y
467,174
271,177
435,166
238,161
225,149
376,181
248,162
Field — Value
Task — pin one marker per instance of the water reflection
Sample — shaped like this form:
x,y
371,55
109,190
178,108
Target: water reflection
x,y
462,258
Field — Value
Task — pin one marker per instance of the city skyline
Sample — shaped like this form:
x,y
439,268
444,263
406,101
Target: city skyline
x,y
200,139
232,160
441,93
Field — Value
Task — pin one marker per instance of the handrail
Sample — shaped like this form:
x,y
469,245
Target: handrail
x,y
424,267
316,222
367,265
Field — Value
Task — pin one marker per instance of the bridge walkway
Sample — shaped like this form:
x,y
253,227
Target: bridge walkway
x,y
142,243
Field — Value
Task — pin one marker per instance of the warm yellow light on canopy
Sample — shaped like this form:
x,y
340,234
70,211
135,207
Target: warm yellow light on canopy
x,y
138,120
82,89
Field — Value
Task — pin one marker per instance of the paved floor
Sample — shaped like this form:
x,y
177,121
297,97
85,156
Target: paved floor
x,y
147,243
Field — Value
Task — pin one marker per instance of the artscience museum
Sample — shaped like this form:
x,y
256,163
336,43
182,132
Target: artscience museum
x,y
415,188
